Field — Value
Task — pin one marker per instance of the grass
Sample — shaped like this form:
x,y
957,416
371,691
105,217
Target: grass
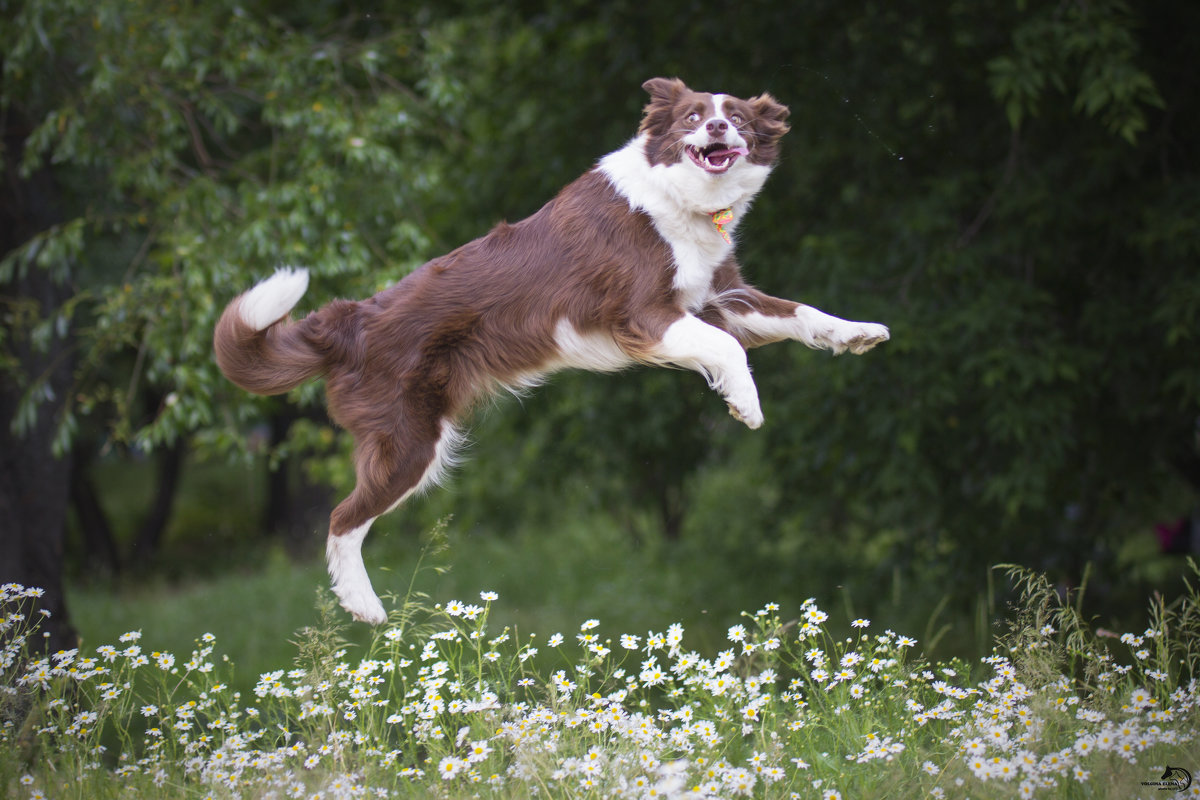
x,y
549,579
217,572
445,700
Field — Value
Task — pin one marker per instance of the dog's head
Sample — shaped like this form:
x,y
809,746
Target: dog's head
x,y
713,133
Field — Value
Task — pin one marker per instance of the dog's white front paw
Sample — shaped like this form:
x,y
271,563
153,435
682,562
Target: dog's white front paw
x,y
859,337
745,408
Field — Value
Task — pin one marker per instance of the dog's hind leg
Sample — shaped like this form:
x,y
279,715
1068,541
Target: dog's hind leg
x,y
389,468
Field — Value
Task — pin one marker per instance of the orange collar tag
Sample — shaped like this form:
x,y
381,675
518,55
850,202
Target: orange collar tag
x,y
720,220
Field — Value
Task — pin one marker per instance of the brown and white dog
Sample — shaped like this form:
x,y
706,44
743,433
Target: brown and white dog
x,y
633,263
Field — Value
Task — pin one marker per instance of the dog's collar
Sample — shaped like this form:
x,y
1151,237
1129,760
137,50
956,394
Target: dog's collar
x,y
720,220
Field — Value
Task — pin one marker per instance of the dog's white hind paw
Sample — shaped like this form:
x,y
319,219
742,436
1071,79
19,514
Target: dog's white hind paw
x,y
348,575
364,607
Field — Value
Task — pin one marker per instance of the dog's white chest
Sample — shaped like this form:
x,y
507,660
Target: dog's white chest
x,y
681,201
698,250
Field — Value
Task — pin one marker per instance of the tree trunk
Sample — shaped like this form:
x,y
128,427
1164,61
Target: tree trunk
x,y
34,484
100,547
169,461
33,510
671,510
297,510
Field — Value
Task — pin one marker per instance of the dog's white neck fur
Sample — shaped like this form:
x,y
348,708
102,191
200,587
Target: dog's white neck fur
x,y
680,198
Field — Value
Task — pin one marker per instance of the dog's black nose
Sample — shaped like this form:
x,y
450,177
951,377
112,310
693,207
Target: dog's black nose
x,y
716,127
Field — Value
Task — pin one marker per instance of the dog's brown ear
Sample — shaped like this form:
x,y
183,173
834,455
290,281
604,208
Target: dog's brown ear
x,y
664,89
767,107
770,125
770,114
658,115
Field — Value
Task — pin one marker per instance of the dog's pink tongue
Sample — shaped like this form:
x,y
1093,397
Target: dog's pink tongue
x,y
730,152
721,158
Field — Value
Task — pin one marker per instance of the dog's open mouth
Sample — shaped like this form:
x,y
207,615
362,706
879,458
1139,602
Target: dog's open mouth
x,y
715,158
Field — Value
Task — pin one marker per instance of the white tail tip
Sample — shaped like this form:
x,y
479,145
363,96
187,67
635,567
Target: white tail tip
x,y
270,300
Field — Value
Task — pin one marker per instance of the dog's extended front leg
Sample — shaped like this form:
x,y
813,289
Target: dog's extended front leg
x,y
690,343
808,325
756,318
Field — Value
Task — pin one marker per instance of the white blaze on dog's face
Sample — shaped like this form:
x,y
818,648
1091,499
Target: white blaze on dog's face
x,y
716,142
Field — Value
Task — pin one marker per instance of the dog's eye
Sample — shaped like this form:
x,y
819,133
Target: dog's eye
x,y
736,119
693,117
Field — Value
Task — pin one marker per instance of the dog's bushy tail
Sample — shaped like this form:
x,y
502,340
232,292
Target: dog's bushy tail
x,y
257,348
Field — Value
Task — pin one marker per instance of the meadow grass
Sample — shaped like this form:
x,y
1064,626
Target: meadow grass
x,y
549,578
443,701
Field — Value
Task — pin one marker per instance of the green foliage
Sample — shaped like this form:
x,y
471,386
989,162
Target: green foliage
x,y
1090,49
222,141
1014,272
